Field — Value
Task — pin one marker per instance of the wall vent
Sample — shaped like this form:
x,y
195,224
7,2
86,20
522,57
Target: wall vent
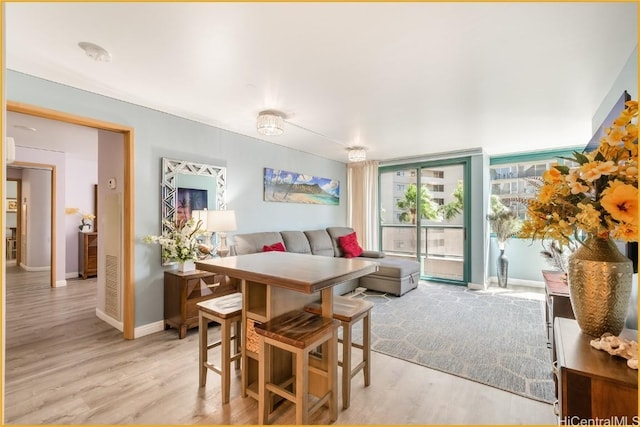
x,y
112,287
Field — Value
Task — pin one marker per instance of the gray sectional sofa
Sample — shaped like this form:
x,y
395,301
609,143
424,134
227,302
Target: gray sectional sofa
x,y
395,276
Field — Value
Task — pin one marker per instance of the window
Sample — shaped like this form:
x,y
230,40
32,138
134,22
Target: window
x,y
509,177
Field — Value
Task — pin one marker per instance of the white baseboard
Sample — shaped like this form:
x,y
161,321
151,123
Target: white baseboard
x,y
141,331
518,282
72,275
61,283
476,286
26,267
110,320
148,329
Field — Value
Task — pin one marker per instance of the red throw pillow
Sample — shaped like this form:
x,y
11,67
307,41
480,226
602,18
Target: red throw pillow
x,y
277,247
350,246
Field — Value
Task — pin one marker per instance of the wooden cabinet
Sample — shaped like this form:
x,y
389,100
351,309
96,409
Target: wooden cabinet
x,y
558,304
182,291
87,254
593,386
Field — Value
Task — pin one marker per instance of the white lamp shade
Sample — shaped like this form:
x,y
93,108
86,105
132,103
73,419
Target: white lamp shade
x,y
221,221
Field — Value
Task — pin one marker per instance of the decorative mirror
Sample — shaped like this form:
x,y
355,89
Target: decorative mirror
x,y
187,187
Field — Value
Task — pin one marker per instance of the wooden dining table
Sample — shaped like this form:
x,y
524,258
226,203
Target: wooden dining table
x,y
274,283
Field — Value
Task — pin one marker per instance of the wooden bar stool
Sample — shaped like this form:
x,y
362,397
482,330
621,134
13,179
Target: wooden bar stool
x,y
349,311
225,310
298,333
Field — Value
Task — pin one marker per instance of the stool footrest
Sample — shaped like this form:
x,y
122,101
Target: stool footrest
x,y
316,405
357,369
281,389
213,367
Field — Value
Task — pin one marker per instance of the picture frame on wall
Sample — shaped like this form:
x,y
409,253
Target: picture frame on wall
x,y
12,205
294,187
189,200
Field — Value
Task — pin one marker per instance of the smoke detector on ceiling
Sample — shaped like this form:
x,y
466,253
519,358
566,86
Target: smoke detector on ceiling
x,y
95,52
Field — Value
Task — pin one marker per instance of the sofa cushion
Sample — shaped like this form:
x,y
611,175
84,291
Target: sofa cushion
x,y
320,242
276,247
350,246
253,242
296,241
335,233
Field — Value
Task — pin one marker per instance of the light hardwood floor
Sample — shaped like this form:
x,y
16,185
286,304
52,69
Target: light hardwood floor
x,y
65,366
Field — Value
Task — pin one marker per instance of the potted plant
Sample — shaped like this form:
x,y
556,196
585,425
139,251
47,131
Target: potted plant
x,y
505,224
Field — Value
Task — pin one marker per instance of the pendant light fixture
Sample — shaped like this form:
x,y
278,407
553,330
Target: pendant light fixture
x,y
270,123
356,154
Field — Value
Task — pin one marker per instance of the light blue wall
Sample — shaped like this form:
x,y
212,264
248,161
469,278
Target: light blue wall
x,y
160,135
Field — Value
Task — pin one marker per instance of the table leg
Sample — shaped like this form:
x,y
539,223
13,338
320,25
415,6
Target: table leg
x,y
331,352
203,329
244,377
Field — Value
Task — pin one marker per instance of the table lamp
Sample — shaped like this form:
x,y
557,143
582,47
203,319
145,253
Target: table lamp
x,y
220,222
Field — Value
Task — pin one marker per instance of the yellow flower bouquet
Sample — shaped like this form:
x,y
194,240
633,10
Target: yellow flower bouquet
x,y
85,218
599,196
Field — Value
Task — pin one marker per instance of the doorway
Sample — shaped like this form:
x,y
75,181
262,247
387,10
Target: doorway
x,y
423,217
128,285
30,216
12,218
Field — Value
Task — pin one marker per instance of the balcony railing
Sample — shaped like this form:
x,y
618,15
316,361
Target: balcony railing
x,y
441,251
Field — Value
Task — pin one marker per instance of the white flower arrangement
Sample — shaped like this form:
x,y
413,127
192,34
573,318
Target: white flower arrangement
x,y
180,242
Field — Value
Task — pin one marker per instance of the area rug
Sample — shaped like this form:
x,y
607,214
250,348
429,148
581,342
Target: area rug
x,y
497,339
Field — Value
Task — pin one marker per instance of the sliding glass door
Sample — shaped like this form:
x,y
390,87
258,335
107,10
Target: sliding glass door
x,y
423,217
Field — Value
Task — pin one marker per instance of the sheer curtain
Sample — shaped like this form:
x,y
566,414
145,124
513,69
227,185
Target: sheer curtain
x,y
362,209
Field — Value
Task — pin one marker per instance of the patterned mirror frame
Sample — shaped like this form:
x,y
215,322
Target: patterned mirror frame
x,y
170,171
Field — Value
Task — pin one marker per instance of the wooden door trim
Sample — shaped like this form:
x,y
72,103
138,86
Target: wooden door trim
x,y
128,197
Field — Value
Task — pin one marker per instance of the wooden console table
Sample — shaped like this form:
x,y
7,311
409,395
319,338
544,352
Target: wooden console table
x,y
182,291
558,303
88,254
274,283
593,386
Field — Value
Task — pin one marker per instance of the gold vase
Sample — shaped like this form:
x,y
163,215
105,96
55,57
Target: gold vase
x,y
600,279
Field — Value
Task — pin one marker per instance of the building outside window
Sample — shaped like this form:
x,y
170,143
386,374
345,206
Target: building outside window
x,y
510,176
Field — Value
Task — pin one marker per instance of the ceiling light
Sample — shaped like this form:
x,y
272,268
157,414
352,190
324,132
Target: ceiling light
x,y
357,154
270,123
93,51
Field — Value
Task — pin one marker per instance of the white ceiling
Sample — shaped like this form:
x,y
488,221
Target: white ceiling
x,y
402,79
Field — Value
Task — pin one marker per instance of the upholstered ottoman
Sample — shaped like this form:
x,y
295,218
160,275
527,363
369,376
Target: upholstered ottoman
x,y
394,276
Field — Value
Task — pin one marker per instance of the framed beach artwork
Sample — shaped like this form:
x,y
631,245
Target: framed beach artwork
x,y
293,187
